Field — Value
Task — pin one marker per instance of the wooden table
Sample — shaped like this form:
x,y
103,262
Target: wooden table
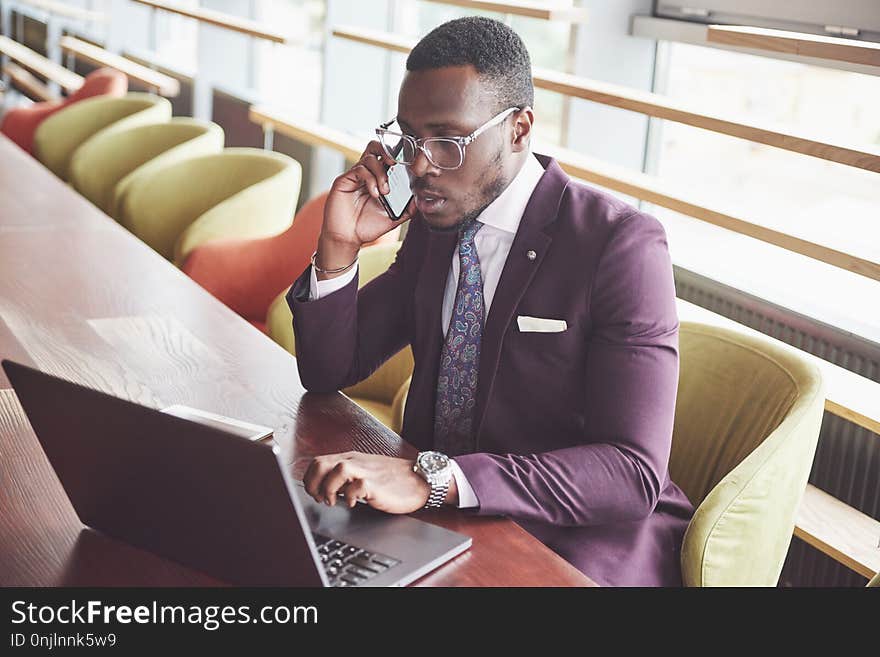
x,y
82,298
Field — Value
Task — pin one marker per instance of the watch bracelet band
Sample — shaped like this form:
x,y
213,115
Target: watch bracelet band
x,y
437,496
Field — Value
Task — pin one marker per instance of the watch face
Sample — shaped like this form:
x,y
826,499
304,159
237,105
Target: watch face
x,y
433,462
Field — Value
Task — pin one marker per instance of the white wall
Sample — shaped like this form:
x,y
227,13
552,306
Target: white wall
x,y
606,52
355,81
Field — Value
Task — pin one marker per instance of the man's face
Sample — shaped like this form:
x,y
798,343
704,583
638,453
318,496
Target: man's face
x,y
453,102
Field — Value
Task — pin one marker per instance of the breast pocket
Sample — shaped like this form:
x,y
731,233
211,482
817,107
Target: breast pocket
x,y
549,344
545,368
530,324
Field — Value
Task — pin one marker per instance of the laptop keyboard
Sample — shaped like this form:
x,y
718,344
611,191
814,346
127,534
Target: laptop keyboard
x,y
349,565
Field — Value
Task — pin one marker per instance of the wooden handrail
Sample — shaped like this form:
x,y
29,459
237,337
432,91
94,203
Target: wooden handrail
x,y
649,188
846,534
376,38
308,132
26,82
164,84
219,19
796,43
656,105
67,11
68,80
550,11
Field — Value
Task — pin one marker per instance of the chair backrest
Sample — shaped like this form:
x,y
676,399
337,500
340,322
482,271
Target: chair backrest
x,y
104,81
58,137
248,274
398,405
747,421
21,123
384,384
238,193
107,164
292,250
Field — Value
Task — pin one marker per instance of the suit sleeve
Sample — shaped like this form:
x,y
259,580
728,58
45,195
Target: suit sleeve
x,y
619,472
345,336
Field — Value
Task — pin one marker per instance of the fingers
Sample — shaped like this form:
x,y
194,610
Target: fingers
x,y
375,149
314,475
334,480
354,491
377,161
317,472
365,179
369,174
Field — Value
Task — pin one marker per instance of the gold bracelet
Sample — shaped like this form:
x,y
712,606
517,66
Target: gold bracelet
x,y
330,271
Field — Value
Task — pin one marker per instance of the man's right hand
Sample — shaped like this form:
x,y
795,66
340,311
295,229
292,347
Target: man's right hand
x,y
353,214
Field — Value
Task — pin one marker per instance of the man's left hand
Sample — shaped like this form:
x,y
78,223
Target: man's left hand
x,y
386,483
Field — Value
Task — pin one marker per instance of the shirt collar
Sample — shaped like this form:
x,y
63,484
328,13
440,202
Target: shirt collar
x,y
506,211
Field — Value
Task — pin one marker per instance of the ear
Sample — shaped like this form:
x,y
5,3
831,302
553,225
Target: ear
x,y
522,129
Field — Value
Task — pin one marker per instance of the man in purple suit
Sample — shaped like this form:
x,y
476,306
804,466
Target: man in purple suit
x,y
541,315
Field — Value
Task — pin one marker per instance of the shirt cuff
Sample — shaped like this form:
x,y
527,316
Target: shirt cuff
x,y
467,498
318,289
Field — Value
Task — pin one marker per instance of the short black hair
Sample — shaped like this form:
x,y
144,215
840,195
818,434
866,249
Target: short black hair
x,y
491,47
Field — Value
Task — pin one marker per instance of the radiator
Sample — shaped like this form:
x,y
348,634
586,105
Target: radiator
x,y
847,463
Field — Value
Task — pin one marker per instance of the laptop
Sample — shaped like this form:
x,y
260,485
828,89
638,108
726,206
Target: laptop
x,y
213,500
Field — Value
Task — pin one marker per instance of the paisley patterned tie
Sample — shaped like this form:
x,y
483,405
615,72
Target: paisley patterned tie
x,y
460,356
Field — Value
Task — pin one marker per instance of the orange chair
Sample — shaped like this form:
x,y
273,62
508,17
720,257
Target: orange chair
x,y
247,275
20,123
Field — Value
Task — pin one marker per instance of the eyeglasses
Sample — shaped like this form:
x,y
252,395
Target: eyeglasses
x,y
442,152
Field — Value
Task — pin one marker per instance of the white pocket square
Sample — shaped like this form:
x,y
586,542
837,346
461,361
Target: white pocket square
x,y
540,324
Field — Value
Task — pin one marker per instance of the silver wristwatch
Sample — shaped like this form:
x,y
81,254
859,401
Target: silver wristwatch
x,y
436,468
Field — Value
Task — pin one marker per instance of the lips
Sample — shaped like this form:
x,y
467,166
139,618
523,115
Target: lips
x,y
429,202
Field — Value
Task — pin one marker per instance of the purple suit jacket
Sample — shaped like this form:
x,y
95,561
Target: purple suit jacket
x,y
573,428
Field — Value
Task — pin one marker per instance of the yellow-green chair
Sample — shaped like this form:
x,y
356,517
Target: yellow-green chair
x,y
58,137
383,393
747,422
237,193
108,164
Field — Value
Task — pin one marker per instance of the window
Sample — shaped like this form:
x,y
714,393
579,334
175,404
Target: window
x,y
92,30
824,202
547,42
289,76
175,39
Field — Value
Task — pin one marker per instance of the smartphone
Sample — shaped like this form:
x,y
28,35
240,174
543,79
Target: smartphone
x,y
398,198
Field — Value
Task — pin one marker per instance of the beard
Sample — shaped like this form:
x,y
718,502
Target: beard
x,y
488,192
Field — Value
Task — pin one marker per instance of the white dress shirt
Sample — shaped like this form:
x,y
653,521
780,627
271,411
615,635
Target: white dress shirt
x,y
500,221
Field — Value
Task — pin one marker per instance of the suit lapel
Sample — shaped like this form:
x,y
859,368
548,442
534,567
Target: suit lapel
x,y
518,271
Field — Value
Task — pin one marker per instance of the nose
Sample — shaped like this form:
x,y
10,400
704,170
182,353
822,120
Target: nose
x,y
422,166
